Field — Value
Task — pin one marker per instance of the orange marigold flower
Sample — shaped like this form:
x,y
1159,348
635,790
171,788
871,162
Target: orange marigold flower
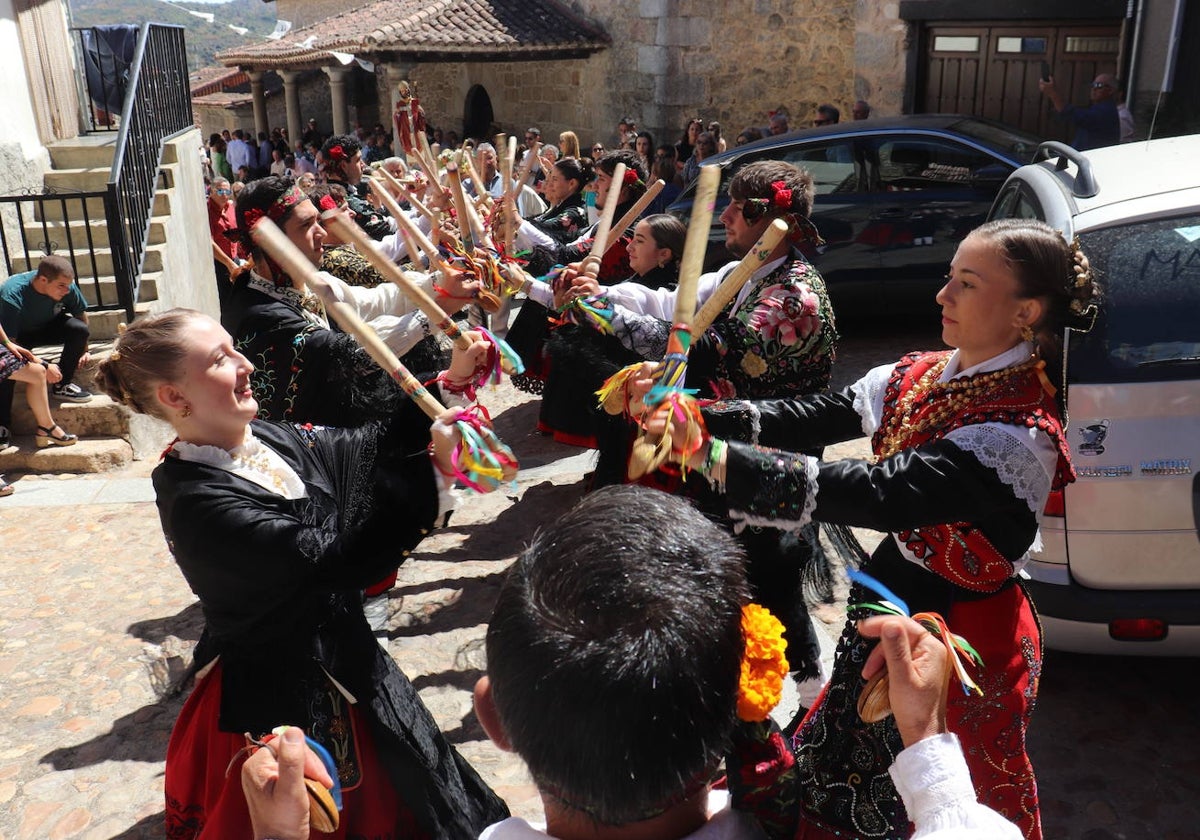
x,y
764,663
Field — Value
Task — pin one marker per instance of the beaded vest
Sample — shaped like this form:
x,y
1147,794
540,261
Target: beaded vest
x,y
918,409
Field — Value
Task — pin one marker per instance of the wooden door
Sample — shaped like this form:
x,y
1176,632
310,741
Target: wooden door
x,y
992,69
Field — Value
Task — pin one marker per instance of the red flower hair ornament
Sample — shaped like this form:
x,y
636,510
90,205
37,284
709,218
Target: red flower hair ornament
x,y
783,196
336,153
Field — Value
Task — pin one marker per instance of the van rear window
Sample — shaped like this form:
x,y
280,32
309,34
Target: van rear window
x,y
1148,329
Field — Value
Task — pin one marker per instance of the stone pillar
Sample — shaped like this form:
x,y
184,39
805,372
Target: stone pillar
x,y
260,101
291,100
392,76
337,97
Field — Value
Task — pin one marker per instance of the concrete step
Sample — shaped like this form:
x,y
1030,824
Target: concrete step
x,y
54,210
75,233
104,323
95,179
105,288
90,151
102,267
99,417
88,455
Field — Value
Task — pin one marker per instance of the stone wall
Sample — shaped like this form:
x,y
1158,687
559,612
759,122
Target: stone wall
x,y
881,44
555,96
672,59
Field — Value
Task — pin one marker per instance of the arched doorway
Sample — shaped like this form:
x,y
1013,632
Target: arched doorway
x,y
477,114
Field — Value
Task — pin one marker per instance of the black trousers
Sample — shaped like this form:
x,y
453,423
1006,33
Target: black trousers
x,y
72,332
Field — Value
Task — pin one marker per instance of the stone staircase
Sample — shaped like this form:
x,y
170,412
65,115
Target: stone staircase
x,y
103,427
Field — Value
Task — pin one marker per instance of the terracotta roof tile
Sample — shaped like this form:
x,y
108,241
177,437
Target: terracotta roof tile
x,y
432,29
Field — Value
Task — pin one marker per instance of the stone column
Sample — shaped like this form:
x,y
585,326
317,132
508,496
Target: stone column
x,y
260,101
392,75
337,97
291,100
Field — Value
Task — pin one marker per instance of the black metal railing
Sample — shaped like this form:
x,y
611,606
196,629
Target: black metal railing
x,y
157,106
36,225
105,56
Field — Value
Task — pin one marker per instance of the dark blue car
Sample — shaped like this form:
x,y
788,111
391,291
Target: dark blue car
x,y
894,197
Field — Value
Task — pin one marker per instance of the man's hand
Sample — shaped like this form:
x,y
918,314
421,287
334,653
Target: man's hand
x,y
918,671
85,358
53,374
274,787
1051,92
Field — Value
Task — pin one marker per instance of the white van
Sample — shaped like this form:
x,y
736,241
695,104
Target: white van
x,y
1119,571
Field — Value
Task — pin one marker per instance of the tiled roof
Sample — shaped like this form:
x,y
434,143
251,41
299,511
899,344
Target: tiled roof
x,y
213,79
432,30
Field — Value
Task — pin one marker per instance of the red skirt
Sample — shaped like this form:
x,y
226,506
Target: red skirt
x,y
1004,630
204,786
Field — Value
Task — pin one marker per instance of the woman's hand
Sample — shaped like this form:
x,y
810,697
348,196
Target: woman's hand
x,y
53,374
465,362
583,285
444,442
21,353
460,285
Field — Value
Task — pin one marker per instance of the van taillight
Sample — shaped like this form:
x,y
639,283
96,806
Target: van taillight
x,y
1137,629
1055,506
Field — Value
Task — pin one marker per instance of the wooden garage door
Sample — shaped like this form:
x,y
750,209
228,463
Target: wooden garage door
x,y
991,69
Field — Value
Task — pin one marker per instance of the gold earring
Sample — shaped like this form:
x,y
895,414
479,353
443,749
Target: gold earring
x,y
1027,333
187,410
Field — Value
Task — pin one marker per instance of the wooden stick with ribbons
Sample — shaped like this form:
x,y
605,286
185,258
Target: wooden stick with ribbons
x,y
275,242
591,263
417,204
614,394
509,198
481,461
500,355
635,212
668,396
436,261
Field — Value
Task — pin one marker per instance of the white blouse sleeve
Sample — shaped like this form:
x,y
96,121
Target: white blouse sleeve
x,y
935,784
868,396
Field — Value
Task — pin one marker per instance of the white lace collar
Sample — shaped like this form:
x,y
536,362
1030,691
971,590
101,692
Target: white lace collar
x,y
1020,353
253,461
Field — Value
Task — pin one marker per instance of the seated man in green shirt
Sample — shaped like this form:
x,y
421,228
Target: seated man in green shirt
x,y
46,307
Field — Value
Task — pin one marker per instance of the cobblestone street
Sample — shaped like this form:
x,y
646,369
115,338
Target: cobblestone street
x,y
97,621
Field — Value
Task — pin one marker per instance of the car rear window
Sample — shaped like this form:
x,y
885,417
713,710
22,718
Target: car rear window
x,y
1148,329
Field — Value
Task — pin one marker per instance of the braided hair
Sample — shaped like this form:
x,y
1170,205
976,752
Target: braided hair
x,y
146,354
1049,268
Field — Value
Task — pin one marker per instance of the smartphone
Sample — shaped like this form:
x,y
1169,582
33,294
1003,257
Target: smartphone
x,y
1045,71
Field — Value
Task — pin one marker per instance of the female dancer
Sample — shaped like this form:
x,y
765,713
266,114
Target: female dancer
x,y
968,446
276,528
530,328
582,358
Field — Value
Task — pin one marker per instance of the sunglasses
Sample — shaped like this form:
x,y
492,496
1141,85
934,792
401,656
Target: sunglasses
x,y
224,192
820,122
1098,85
597,148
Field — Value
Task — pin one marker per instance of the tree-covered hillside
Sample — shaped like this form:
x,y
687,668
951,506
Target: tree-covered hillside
x,y
203,39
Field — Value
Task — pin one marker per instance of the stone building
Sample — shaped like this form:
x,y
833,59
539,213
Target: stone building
x,y
508,64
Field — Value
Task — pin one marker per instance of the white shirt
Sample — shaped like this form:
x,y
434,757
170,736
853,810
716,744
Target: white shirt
x,y
931,777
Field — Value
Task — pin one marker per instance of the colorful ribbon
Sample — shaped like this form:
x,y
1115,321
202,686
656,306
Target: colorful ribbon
x,y
891,604
481,459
